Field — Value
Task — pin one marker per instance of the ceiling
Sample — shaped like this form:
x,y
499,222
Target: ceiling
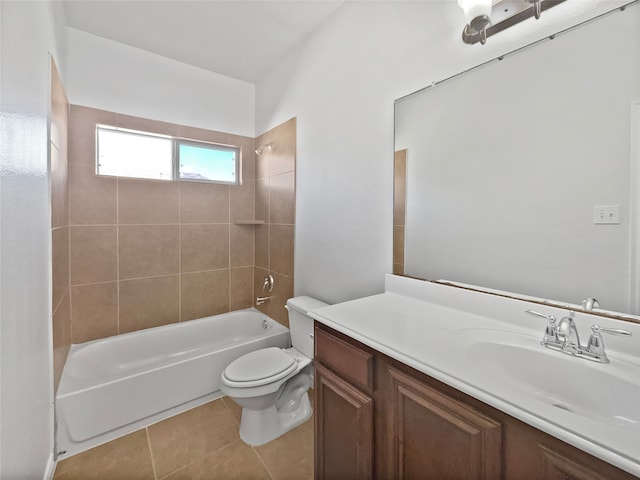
x,y
239,39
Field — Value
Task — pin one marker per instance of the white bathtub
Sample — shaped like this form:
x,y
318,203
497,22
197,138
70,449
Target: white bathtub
x,y
114,386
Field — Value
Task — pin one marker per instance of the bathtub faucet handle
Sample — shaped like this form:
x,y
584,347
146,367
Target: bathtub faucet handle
x,y
267,286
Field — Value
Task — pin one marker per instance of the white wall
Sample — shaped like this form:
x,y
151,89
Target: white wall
x,y
112,76
30,30
341,85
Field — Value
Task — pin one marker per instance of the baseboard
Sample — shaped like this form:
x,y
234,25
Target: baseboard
x,y
51,468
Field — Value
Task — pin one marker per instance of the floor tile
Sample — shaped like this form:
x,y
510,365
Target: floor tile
x,y
234,407
236,461
127,457
186,438
290,457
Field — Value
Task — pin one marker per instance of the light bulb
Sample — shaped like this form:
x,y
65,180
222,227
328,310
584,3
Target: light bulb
x,y
475,8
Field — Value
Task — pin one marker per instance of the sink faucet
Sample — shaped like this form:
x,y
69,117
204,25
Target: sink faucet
x,y
567,332
564,337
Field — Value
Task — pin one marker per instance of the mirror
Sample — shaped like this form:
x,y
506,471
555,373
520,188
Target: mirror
x,y
522,174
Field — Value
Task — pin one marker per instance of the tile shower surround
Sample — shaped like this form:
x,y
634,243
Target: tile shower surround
x,y
59,185
144,253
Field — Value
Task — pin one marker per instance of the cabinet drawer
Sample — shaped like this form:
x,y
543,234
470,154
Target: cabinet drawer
x,y
350,362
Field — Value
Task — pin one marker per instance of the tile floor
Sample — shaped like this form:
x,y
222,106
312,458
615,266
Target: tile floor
x,y
202,443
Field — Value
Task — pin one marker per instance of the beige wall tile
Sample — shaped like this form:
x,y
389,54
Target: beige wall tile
x,y
281,249
147,125
398,244
186,438
59,110
204,203
59,188
398,268
127,457
242,201
93,256
242,245
148,302
236,461
241,288
94,311
247,146
204,247
92,197
399,187
282,292
283,148
262,199
258,281
60,264
282,198
148,250
61,338
147,201
204,294
203,135
82,133
262,246
262,160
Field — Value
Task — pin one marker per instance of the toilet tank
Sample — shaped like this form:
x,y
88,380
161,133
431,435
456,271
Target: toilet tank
x,y
300,324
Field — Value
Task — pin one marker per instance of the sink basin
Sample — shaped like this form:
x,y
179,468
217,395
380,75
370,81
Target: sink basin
x,y
607,393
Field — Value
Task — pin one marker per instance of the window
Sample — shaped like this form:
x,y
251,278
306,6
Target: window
x,y
201,161
128,153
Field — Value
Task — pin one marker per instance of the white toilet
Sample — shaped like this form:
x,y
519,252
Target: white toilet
x,y
271,384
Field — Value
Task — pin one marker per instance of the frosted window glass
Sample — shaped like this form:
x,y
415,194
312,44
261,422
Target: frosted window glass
x,y
128,154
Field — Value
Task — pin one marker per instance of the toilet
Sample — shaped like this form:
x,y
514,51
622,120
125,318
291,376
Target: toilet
x,y
271,384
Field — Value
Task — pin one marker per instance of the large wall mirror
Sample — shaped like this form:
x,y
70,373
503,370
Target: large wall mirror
x,y
522,174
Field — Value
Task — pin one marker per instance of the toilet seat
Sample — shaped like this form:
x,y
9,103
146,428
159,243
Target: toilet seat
x,y
259,367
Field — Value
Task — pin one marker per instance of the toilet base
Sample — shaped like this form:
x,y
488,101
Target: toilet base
x,y
258,427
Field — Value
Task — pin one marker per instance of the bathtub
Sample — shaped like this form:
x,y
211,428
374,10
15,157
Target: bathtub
x,y
114,386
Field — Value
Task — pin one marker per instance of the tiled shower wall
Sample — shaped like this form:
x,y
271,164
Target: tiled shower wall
x,y
275,204
59,126
399,209
145,253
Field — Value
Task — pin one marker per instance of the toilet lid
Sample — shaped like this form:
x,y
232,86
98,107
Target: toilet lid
x,y
260,364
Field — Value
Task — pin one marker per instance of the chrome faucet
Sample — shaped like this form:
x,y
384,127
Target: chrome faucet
x,y
567,332
564,337
261,300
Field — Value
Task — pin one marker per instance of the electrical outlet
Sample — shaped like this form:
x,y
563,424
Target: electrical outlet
x,y
606,214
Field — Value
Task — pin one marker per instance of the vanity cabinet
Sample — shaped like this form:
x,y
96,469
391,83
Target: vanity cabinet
x,y
377,418
344,409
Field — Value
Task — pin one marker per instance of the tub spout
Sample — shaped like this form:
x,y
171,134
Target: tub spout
x,y
261,300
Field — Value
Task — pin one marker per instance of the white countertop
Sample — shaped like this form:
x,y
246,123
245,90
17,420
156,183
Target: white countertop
x,y
423,325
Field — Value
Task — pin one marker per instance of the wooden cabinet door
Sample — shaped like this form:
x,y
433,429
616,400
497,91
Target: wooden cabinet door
x,y
433,436
344,429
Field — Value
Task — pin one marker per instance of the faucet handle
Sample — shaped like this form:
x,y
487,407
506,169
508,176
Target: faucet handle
x,y
595,329
550,332
549,318
595,345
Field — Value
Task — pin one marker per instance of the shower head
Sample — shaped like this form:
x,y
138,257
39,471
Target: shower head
x,y
262,148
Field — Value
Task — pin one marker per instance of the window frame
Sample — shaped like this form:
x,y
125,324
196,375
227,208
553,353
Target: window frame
x,y
175,155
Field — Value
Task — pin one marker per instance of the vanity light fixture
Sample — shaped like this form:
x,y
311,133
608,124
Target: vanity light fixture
x,y
484,18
